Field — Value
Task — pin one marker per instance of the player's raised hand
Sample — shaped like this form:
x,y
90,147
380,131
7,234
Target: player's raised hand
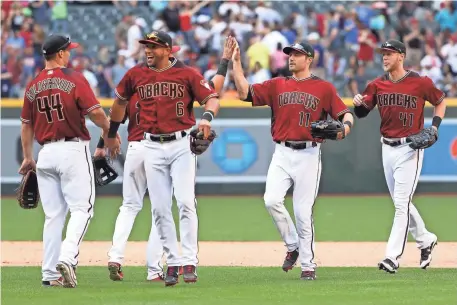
x,y
236,53
27,165
229,47
358,99
205,127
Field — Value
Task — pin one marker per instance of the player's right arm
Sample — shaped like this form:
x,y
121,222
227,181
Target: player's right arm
x,y
365,102
124,92
257,94
27,134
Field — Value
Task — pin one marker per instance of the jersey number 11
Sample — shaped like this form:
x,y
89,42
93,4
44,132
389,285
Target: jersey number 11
x,y
304,118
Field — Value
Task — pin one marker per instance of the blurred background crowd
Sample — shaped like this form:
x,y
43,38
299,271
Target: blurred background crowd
x,y
343,33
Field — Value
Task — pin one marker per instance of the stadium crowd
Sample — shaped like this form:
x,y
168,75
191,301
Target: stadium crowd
x,y
344,36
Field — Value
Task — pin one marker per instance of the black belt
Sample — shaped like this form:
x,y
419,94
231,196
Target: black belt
x,y
66,139
391,143
298,146
163,138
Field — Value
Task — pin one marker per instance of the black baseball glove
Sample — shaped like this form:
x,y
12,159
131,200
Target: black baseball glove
x,y
330,129
27,192
104,173
424,139
198,145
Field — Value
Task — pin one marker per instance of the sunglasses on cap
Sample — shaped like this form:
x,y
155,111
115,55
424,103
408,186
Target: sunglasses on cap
x,y
153,38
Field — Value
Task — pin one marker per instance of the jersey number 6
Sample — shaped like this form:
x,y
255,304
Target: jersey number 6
x,y
179,109
47,107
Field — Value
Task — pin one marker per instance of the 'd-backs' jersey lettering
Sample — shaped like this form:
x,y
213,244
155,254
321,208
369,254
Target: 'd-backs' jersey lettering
x,y
166,96
56,103
401,103
295,104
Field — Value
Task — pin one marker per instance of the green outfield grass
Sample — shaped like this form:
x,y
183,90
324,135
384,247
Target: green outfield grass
x,y
237,286
246,219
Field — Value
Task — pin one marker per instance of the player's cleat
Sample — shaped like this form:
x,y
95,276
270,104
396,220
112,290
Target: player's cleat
x,y
53,283
190,274
68,275
159,278
426,255
308,275
172,277
290,260
115,271
388,266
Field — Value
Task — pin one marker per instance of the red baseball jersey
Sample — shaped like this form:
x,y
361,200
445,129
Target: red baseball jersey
x,y
295,104
132,114
56,102
401,103
166,96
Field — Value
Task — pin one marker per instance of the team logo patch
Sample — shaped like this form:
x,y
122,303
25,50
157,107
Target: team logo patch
x,y
205,84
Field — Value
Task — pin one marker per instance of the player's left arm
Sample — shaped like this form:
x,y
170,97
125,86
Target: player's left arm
x,y
435,97
339,111
27,134
217,82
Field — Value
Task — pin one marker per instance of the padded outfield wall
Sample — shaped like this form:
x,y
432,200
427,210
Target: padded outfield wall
x,y
238,160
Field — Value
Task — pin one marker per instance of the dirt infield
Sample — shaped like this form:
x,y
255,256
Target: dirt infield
x,y
262,254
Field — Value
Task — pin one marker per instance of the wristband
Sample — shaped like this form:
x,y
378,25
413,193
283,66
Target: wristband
x,y
101,143
436,121
348,123
223,67
113,127
208,115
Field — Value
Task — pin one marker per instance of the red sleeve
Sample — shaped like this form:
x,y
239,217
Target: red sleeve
x,y
26,113
125,89
200,88
262,93
336,106
84,95
432,94
369,101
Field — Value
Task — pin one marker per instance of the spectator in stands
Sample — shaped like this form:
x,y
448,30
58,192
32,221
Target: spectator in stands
x,y
59,16
26,32
300,25
447,17
449,54
258,52
123,27
218,25
13,65
273,37
279,61
117,71
367,43
258,74
414,42
16,41
319,55
28,67
6,81
202,34
41,13
351,32
431,66
134,34
171,17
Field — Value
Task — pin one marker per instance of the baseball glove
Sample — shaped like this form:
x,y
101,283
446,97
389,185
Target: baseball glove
x,y
330,129
27,192
103,171
424,139
198,145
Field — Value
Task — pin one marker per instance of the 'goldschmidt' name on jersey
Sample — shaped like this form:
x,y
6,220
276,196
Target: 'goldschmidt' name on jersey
x,y
49,83
172,90
397,99
306,99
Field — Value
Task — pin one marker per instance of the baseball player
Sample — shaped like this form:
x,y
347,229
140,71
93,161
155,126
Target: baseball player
x,y
134,183
55,103
295,102
167,89
400,96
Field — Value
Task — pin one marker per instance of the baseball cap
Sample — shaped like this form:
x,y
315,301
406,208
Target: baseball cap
x,y
392,45
302,47
55,43
160,38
